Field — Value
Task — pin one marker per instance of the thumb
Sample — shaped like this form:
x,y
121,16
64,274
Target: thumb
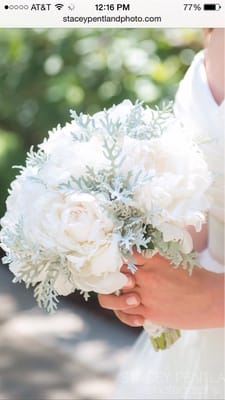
x,y
139,259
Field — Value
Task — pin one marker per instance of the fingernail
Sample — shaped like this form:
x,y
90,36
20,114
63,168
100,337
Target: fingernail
x,y
137,322
131,301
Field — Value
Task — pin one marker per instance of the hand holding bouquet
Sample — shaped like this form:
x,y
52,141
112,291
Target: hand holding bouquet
x,y
98,187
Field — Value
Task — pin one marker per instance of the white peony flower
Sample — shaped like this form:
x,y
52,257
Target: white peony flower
x,y
68,157
178,174
91,247
76,226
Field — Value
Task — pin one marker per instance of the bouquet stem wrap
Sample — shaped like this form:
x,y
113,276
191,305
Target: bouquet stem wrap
x,y
161,338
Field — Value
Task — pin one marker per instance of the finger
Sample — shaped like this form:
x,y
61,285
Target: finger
x,y
131,283
122,302
131,320
139,258
124,269
142,261
136,259
139,310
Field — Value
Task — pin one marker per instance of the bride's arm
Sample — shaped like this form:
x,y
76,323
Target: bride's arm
x,y
214,50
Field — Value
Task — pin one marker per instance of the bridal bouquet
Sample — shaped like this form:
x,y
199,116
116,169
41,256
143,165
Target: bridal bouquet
x,y
128,177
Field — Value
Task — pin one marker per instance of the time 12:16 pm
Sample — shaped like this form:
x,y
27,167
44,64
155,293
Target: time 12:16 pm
x,y
112,7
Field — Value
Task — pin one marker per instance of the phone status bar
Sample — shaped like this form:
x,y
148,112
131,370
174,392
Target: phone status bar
x,y
133,13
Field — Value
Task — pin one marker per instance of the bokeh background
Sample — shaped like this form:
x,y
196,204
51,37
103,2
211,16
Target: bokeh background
x,y
76,353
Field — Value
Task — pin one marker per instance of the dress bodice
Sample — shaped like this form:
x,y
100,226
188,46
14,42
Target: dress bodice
x,y
196,107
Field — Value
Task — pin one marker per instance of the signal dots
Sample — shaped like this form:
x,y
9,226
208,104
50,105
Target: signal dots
x,y
16,7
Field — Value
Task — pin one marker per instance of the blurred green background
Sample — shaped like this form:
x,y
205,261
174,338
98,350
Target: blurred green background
x,y
46,72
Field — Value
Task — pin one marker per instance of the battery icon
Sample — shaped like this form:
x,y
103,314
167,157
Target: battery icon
x,y
212,7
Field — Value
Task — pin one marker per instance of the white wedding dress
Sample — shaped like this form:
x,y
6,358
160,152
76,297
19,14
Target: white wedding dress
x,y
193,368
